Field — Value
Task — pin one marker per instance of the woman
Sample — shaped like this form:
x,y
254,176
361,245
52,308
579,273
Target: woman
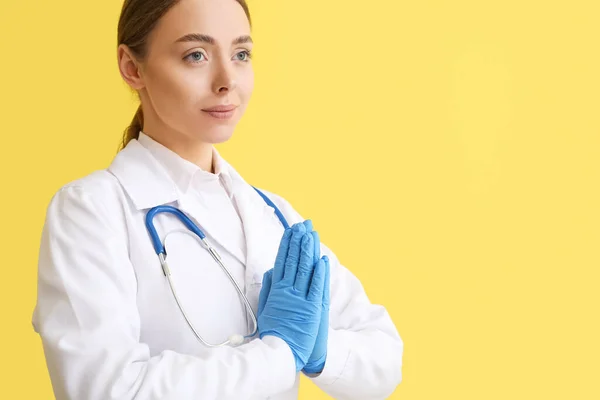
x,y
106,312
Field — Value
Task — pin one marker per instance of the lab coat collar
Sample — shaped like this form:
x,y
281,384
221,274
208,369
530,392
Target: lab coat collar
x,y
143,178
148,184
153,174
181,171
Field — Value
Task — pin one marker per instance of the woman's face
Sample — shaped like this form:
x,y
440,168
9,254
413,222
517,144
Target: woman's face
x,y
198,59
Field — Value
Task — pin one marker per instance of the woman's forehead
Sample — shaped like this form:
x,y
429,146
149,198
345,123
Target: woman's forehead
x,y
221,20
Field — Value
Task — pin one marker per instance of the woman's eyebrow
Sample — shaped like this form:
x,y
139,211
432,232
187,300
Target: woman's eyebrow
x,y
198,37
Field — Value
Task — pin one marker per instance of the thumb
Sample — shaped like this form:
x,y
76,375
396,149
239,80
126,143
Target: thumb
x,y
265,290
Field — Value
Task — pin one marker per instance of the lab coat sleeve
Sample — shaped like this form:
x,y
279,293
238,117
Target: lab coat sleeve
x,y
88,321
364,350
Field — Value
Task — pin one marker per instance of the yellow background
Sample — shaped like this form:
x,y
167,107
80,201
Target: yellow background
x,y
447,151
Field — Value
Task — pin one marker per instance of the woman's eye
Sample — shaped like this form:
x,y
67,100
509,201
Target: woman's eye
x,y
243,55
195,56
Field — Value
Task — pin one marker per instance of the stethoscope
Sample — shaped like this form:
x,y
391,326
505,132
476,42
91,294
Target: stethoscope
x,y
159,248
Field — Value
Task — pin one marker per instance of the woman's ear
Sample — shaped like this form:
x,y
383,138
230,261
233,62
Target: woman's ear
x,y
129,68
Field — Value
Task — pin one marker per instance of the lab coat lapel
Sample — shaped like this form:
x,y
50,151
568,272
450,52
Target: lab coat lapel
x,y
263,232
148,185
210,225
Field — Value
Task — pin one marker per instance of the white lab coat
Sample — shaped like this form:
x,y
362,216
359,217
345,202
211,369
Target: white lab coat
x,y
111,329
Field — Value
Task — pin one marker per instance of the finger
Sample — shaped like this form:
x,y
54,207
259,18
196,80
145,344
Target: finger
x,y
317,243
282,255
315,293
308,225
305,265
265,290
293,256
310,228
326,288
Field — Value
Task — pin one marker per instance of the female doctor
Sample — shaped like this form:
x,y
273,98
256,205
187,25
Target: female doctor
x,y
132,304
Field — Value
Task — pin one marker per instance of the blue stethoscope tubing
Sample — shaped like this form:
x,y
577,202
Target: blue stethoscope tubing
x,y
159,248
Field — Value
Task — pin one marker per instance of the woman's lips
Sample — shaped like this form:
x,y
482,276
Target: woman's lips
x,y
221,111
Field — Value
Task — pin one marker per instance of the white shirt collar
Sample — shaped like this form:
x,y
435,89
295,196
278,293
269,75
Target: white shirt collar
x,y
180,170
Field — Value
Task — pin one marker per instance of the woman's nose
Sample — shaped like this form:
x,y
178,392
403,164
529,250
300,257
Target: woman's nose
x,y
225,79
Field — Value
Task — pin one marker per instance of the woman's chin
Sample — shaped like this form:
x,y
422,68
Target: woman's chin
x,y
217,135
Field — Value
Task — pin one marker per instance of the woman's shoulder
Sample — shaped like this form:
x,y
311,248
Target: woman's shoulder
x,y
100,182
100,187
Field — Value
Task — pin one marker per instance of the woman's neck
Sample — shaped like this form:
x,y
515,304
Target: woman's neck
x,y
194,151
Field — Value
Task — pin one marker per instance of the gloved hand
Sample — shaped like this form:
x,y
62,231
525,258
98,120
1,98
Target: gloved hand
x,y
317,359
290,301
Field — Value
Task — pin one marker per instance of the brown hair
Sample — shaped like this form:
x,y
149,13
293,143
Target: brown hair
x,y
138,19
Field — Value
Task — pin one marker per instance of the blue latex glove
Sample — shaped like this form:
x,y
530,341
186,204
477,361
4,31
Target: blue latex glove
x,y
291,309
316,361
